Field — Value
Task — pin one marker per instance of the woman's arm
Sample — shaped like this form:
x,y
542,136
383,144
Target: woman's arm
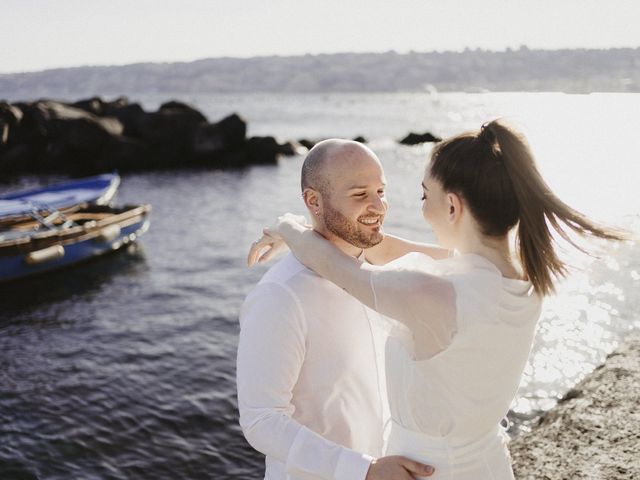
x,y
423,302
324,258
393,247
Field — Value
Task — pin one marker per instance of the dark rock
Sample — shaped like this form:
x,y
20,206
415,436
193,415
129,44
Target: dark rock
x,y
125,155
573,393
10,118
255,151
86,133
76,137
165,127
92,105
308,144
360,139
416,138
4,134
100,107
129,116
287,149
215,138
19,158
176,106
262,151
93,135
33,126
57,136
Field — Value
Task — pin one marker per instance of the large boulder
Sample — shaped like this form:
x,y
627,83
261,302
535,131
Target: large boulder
x,y
125,154
175,106
100,107
254,151
58,137
10,118
306,143
167,126
19,158
212,139
262,151
417,138
129,116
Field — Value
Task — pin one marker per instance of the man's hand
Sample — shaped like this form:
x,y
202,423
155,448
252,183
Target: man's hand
x,y
397,468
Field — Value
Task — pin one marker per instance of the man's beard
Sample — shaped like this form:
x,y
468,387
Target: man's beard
x,y
348,230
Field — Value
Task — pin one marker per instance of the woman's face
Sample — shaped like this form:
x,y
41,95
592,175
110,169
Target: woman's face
x,y
436,209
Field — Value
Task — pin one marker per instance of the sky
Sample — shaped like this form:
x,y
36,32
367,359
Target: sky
x,y
42,34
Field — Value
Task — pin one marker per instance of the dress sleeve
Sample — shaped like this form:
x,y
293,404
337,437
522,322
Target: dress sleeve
x,y
410,291
271,352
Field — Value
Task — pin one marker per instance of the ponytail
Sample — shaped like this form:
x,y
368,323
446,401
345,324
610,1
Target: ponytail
x,y
508,190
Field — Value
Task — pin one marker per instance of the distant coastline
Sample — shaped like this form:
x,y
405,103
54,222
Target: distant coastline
x,y
569,70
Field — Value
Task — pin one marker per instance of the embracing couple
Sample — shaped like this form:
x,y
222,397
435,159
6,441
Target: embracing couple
x,y
366,356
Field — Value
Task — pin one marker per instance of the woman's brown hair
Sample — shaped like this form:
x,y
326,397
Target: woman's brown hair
x,y
494,171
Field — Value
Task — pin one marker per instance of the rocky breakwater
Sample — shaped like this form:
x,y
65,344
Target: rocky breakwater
x,y
94,135
593,432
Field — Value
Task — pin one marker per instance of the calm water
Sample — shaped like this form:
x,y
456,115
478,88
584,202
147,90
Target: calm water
x,y
124,367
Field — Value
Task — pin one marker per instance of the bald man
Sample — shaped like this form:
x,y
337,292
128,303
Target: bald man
x,y
309,372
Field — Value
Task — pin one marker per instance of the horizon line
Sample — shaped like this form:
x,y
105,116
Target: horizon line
x,y
301,55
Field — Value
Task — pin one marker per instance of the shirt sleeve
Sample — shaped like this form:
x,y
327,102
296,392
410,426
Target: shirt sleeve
x,y
407,291
271,351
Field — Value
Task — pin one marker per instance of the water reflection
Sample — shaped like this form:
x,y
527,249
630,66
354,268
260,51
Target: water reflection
x,y
83,279
591,313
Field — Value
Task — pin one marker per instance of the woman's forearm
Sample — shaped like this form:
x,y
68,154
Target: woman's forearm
x,y
393,247
328,261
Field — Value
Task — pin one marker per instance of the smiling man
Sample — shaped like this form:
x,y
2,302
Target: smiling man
x,y
310,389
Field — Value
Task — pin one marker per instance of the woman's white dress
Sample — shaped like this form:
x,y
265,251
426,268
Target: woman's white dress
x,y
456,350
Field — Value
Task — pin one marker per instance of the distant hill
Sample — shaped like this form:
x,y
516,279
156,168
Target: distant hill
x,y
574,71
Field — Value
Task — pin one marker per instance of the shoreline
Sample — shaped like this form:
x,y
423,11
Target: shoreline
x,y
594,431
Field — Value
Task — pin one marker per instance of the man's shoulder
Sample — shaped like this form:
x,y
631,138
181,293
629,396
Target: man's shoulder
x,y
284,271
282,280
275,297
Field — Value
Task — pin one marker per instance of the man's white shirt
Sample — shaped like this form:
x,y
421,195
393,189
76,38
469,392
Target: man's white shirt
x,y
310,376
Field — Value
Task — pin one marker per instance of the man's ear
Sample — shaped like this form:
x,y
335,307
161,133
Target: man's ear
x,y
312,200
455,207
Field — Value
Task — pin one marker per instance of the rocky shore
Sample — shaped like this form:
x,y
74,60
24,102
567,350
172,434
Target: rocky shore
x,y
593,432
95,135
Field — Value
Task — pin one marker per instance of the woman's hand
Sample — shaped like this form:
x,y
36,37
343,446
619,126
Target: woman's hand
x,y
274,239
288,225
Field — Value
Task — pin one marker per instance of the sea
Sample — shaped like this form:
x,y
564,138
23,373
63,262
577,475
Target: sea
x,y
124,367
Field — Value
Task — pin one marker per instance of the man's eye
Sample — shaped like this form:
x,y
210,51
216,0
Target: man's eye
x,y
423,197
361,194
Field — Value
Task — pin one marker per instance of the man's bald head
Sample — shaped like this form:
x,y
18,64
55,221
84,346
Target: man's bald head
x,y
323,157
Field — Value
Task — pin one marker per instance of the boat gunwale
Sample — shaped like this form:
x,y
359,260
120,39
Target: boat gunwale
x,y
130,215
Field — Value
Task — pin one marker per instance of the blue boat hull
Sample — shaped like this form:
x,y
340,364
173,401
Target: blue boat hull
x,y
97,190
17,266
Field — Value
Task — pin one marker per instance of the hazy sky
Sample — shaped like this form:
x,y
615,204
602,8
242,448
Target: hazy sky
x,y
39,34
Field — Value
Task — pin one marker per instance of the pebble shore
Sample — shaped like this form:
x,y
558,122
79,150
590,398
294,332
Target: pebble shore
x,y
593,432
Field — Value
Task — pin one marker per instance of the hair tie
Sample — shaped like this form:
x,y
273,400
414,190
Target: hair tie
x,y
487,133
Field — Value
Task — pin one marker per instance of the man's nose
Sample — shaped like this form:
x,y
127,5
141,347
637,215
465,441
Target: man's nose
x,y
379,205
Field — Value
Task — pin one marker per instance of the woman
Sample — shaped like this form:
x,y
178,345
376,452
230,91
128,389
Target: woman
x,y
463,325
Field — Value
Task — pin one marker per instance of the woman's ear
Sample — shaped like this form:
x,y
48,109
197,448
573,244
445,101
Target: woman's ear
x,y
455,207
